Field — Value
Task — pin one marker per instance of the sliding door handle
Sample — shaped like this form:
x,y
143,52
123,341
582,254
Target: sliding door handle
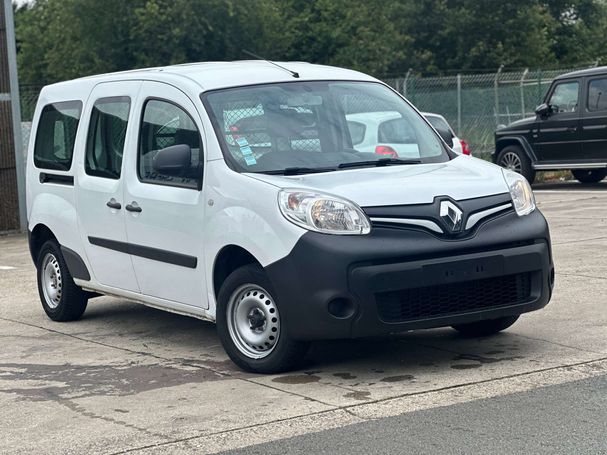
x,y
133,207
113,204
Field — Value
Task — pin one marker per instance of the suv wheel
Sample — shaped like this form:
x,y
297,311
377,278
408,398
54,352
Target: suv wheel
x,y
514,158
589,175
488,327
250,326
61,298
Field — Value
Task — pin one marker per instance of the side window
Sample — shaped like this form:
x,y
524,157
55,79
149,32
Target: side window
x,y
396,131
565,97
54,147
164,127
597,95
106,135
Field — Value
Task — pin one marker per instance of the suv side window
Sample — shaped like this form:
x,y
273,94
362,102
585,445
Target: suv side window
x,y
597,95
106,135
54,146
564,98
165,124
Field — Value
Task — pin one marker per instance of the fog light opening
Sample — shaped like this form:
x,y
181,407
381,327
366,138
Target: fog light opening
x,y
341,308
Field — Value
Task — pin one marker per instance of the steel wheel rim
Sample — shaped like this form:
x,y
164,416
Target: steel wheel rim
x,y
512,161
253,321
52,282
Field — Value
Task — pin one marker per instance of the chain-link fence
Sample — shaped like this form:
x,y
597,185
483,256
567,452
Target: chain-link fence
x,y
474,104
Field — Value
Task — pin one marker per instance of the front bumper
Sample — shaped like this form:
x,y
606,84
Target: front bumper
x,y
394,280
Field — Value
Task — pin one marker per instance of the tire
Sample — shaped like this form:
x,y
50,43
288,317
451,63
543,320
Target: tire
x,y
485,328
247,299
514,158
62,300
589,175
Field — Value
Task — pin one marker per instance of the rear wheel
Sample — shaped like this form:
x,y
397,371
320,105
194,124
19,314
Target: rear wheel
x,y
589,175
62,299
250,325
488,327
514,158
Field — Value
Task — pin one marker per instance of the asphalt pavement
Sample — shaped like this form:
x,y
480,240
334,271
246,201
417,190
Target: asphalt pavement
x,y
563,419
128,378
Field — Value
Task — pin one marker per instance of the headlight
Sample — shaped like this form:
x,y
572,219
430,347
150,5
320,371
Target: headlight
x,y
520,191
323,213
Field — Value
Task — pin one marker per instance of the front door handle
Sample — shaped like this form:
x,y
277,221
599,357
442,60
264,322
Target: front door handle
x,y
133,207
571,129
113,204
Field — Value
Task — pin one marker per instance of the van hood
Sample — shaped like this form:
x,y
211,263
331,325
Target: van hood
x,y
462,178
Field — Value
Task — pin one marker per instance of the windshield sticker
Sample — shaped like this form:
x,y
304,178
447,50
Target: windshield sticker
x,y
246,150
250,160
242,142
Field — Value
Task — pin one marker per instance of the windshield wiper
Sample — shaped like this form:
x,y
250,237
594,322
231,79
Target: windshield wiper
x,y
298,170
380,162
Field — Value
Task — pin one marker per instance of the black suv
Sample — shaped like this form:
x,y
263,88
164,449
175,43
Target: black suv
x,y
569,130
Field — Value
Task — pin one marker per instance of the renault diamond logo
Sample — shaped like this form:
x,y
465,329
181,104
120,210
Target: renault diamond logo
x,y
452,215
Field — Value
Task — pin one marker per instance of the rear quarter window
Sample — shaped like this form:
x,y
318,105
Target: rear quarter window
x,y
56,134
396,131
357,131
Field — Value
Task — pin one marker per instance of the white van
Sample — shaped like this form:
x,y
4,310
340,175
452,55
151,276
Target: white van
x,y
235,192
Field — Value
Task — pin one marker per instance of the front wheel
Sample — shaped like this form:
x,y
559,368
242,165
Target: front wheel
x,y
250,326
589,175
487,327
62,300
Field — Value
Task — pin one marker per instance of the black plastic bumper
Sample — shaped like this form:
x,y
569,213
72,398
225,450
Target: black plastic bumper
x,y
350,273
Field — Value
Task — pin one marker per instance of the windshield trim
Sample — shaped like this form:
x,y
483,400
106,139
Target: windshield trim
x,y
230,160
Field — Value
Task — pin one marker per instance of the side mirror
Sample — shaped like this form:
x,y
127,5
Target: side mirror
x,y
446,135
544,110
175,160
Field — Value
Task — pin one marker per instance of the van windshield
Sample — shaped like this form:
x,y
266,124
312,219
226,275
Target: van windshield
x,y
304,127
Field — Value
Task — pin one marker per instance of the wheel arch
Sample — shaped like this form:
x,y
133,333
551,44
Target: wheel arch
x,y
40,234
521,142
228,259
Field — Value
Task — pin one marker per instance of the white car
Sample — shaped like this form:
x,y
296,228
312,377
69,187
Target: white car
x,y
439,122
234,192
382,133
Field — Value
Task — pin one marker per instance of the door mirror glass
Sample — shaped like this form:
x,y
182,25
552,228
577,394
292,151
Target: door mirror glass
x,y
175,160
446,135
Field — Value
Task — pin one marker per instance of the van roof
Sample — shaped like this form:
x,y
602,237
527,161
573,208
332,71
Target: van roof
x,y
215,75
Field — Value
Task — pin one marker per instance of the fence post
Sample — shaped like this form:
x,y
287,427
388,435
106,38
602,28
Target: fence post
x,y
539,86
405,83
459,104
497,96
523,92
412,95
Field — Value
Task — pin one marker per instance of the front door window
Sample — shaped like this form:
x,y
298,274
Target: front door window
x,y
565,97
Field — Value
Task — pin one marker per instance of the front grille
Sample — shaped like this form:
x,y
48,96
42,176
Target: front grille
x,y
447,299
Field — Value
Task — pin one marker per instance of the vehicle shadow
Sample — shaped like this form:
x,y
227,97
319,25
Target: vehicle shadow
x,y
191,341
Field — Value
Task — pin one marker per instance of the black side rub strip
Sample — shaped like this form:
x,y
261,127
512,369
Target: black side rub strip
x,y
147,252
56,178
